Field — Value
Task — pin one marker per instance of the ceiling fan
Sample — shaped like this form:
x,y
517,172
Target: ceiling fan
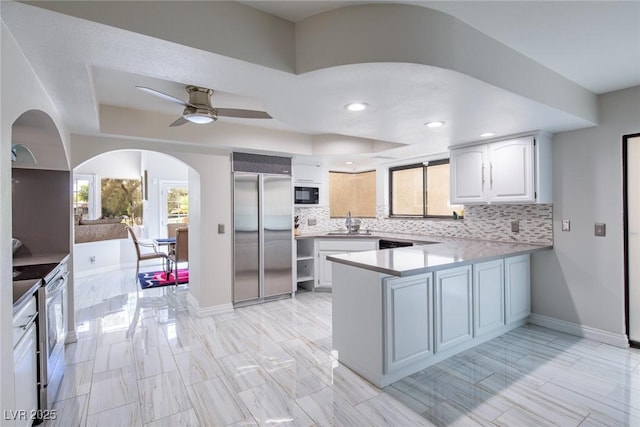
x,y
199,109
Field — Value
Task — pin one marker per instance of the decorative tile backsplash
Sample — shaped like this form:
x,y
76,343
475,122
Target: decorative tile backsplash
x,y
487,222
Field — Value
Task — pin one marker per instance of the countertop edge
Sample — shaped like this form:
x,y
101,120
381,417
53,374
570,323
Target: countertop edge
x,y
414,272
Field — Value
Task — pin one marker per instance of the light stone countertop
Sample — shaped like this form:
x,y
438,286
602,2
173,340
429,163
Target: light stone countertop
x,y
340,234
418,259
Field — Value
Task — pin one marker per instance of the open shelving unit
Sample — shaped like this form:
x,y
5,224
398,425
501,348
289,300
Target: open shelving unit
x,y
304,264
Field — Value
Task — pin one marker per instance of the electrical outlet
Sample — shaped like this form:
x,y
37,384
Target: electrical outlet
x,y
311,221
566,225
515,226
600,229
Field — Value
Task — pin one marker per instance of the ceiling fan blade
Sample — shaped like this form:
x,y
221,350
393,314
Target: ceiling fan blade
x,y
242,114
164,96
179,122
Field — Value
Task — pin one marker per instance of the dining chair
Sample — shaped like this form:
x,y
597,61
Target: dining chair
x,y
145,255
180,252
171,229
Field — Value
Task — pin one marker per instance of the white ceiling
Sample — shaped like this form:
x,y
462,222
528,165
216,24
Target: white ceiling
x,y
593,43
83,65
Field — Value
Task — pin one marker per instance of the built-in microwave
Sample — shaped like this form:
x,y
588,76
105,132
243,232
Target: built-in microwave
x,y
306,195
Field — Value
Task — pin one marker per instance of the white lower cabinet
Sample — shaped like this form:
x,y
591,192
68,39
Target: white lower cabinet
x,y
25,363
326,247
408,320
453,307
324,272
423,319
488,297
26,377
517,288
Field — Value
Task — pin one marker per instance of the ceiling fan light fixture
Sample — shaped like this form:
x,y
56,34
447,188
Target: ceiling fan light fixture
x,y
200,116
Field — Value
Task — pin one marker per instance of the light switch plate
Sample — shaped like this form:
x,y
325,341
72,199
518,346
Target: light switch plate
x,y
600,229
566,225
220,228
515,226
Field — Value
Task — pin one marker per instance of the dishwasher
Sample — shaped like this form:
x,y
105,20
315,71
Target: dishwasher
x,y
390,244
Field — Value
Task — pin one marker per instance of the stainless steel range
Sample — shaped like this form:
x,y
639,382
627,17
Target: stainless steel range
x,y
52,298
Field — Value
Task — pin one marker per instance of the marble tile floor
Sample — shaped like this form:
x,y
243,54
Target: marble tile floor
x,y
142,360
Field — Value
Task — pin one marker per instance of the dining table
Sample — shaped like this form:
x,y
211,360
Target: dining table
x,y
170,243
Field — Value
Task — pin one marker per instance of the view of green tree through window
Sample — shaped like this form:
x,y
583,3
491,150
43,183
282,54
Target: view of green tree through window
x,y
122,197
421,190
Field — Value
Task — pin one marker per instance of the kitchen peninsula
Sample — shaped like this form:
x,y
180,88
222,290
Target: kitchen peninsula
x,y
397,311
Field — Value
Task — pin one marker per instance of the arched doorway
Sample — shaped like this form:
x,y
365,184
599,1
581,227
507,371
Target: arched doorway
x,y
144,174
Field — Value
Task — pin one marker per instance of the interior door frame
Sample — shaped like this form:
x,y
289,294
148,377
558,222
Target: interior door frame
x,y
164,185
625,227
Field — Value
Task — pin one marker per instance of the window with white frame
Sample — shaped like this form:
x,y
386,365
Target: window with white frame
x,y
84,196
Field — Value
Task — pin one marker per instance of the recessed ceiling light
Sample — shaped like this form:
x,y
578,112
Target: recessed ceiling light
x,y
348,163
487,134
434,124
356,106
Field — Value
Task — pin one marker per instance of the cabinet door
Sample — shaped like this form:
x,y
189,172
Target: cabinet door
x,y
511,177
517,287
467,169
408,323
307,174
26,376
454,310
324,272
327,247
488,296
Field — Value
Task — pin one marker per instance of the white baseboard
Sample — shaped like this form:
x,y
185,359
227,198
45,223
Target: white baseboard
x,y
196,310
617,340
71,337
114,267
100,270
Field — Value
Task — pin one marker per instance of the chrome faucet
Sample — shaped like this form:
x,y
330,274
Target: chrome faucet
x,y
349,222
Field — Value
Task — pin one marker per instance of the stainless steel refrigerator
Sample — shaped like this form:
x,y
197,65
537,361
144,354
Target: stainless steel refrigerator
x,y
262,227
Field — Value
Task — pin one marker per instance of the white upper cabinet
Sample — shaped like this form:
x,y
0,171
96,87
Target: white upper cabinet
x,y
307,174
467,175
511,171
516,170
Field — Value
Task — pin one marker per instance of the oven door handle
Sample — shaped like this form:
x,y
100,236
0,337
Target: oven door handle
x,y
57,286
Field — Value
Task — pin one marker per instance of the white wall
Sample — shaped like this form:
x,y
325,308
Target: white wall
x,y
159,167
117,164
108,255
21,92
581,280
